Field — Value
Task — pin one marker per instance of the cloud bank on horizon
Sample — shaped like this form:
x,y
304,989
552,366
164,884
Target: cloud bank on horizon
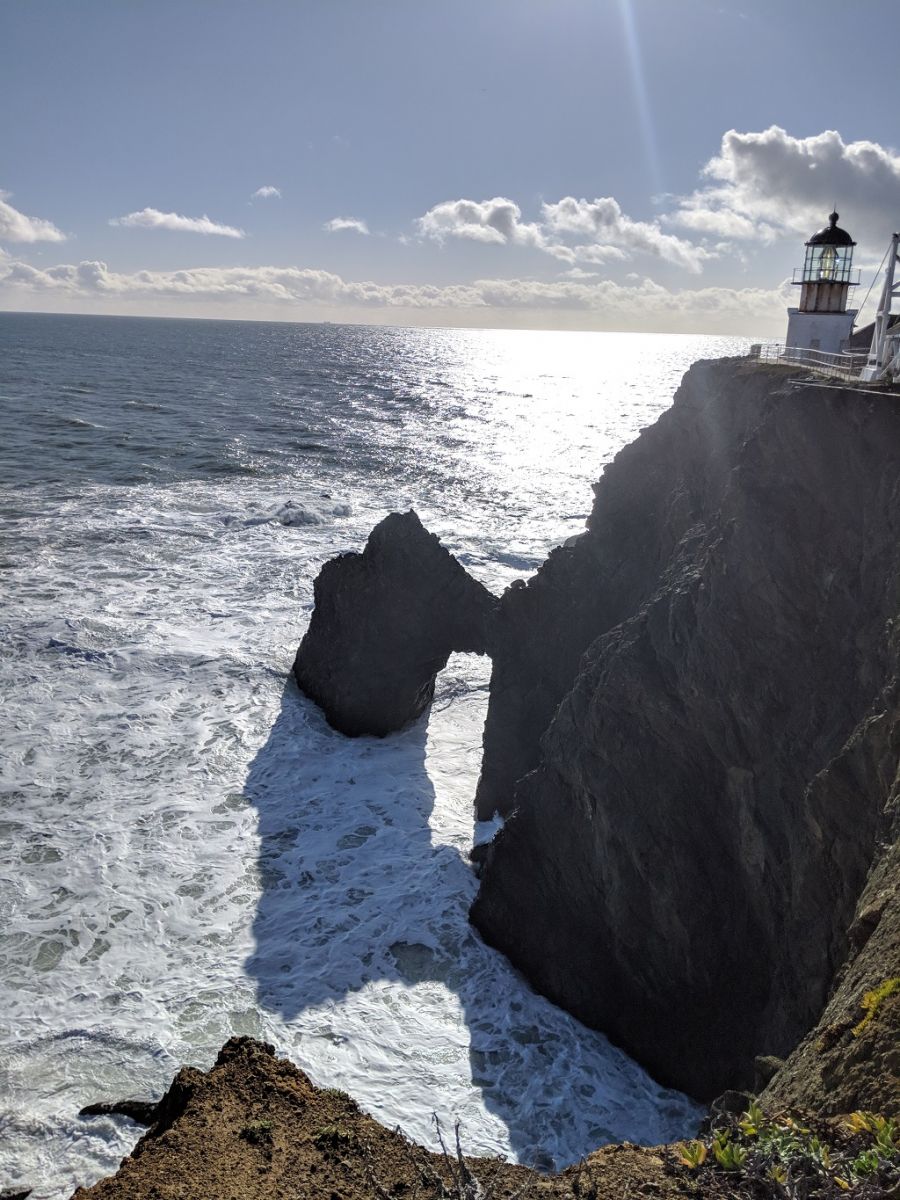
x,y
757,189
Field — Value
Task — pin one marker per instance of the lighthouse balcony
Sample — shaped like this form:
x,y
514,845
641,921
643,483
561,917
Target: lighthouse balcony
x,y
819,273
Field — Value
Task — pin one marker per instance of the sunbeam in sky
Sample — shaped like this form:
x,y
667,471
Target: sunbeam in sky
x,y
640,93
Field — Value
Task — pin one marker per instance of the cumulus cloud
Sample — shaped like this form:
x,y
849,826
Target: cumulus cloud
x,y
267,193
346,225
15,226
497,221
763,184
600,230
640,303
613,234
152,218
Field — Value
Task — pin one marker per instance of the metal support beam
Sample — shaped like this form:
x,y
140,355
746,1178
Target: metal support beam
x,y
881,351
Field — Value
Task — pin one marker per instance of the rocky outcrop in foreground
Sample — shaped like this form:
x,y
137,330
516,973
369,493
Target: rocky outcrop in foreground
x,y
384,623
255,1127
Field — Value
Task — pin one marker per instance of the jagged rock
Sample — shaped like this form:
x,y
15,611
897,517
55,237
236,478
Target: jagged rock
x,y
765,1068
142,1112
384,623
684,858
256,1127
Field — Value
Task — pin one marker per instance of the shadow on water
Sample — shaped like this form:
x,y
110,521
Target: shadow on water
x,y
355,890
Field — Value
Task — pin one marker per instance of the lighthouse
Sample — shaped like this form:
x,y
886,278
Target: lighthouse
x,y
822,320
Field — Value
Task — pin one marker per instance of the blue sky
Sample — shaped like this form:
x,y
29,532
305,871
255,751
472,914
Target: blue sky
x,y
536,163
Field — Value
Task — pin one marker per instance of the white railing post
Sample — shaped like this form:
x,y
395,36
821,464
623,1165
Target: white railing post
x,y
877,360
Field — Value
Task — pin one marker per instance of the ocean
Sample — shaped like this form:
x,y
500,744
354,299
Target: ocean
x,y
188,851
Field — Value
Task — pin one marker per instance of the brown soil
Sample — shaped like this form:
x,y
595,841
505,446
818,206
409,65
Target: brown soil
x,y
256,1128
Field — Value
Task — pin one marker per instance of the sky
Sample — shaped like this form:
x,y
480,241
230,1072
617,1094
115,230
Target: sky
x,y
574,164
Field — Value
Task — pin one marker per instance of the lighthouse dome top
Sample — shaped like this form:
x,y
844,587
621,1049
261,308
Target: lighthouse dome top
x,y
831,235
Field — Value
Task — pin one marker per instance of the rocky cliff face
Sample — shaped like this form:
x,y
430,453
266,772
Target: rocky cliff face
x,y
385,622
703,807
690,726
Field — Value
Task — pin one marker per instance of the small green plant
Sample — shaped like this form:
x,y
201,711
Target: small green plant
x,y
873,1000
778,1173
333,1137
865,1164
258,1133
728,1154
751,1120
885,1131
692,1154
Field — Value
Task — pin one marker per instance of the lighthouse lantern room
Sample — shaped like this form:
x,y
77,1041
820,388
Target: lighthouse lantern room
x,y
822,321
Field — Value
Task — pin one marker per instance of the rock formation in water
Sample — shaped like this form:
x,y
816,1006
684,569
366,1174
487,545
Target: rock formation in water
x,y
688,726
385,622
683,860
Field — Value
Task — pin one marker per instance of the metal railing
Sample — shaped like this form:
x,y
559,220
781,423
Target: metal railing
x,y
835,366
819,274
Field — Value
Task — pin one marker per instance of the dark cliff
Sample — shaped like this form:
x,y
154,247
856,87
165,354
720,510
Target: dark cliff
x,y
685,855
689,726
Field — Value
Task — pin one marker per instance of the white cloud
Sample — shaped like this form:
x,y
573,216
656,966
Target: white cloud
x,y
762,184
152,218
612,235
15,226
497,221
640,304
267,193
346,225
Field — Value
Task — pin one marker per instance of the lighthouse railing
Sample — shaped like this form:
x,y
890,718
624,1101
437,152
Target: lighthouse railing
x,y
816,273
820,362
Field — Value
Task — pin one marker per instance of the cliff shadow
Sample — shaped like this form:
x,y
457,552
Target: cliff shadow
x,y
357,892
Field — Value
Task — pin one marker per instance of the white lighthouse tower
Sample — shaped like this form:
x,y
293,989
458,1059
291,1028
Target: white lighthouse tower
x,y
822,321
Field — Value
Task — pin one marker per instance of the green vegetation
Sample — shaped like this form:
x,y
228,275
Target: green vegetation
x,y
872,1001
259,1133
692,1154
333,1137
787,1159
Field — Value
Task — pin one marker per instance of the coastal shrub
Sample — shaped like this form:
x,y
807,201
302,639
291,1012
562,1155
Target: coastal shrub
x,y
873,1000
786,1158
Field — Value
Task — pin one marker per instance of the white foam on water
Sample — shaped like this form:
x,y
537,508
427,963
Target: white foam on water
x,y
189,852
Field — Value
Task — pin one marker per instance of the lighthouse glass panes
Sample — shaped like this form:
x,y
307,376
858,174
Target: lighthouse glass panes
x,y
821,323
828,264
